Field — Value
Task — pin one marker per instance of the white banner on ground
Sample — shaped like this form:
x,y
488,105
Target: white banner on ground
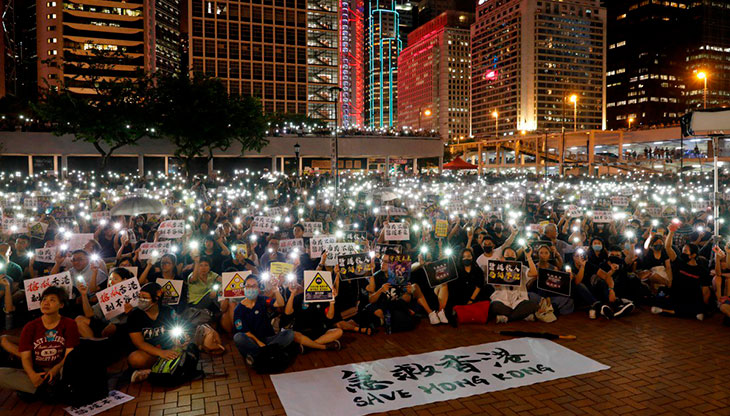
x,y
413,380
114,399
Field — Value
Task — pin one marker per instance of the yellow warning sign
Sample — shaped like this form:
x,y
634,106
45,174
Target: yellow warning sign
x,y
234,287
318,286
169,291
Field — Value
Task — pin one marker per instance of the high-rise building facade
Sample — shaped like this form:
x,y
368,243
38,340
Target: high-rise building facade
x,y
645,78
285,52
352,70
382,48
434,74
163,43
529,57
427,10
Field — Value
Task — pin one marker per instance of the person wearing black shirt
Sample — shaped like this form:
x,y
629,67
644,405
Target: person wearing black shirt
x,y
216,251
469,287
610,285
312,321
654,265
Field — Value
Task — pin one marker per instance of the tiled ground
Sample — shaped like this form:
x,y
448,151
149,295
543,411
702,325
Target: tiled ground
x,y
658,366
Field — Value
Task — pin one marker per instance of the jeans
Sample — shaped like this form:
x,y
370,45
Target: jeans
x,y
584,296
247,346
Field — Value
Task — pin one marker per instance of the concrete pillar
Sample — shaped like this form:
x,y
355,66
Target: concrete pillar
x,y
620,146
55,165
518,143
537,153
167,165
415,166
282,164
479,159
367,165
591,150
30,165
210,167
64,166
299,166
140,165
273,164
441,164
387,168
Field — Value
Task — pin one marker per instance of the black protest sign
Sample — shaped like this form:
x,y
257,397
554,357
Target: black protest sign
x,y
354,266
554,281
504,273
399,271
352,236
440,272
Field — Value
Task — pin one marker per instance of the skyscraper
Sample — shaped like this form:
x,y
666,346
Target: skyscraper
x,y
163,36
427,10
352,21
528,57
434,72
284,52
382,48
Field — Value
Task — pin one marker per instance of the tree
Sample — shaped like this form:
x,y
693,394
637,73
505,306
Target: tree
x,y
107,112
198,116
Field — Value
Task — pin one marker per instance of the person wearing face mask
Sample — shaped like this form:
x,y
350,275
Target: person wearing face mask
x,y
691,282
148,324
251,322
512,303
469,287
491,251
498,236
654,266
596,253
611,286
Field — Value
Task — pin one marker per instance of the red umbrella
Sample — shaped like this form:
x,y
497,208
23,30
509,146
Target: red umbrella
x,y
459,163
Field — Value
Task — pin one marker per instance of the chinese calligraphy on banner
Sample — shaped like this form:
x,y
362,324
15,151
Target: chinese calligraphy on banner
x,y
311,228
278,269
172,229
355,266
504,273
112,299
34,287
441,229
287,246
602,217
46,255
337,249
413,380
397,231
146,250
264,225
317,245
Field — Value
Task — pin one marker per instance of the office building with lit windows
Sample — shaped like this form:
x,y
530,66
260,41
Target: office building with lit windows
x,y
285,52
528,57
382,48
434,73
352,69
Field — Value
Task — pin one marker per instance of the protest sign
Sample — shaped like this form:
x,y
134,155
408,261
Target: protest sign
x,y
114,399
380,249
498,201
619,201
337,249
113,298
12,225
318,286
654,211
264,225
352,236
441,271
34,287
275,212
490,214
397,231
79,240
602,217
700,205
98,216
287,246
399,271
233,284
504,273
46,255
354,266
317,245
573,211
554,281
311,228
171,291
392,211
172,229
441,229
147,250
30,203
385,385
278,269
38,230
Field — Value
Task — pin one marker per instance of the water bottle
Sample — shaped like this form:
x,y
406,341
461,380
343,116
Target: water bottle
x,y
388,329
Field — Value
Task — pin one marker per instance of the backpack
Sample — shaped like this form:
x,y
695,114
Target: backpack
x,y
184,368
273,358
84,374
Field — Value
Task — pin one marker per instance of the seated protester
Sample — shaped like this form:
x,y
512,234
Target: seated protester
x,y
93,324
469,286
512,303
351,298
251,322
44,345
271,255
165,269
597,254
21,254
126,248
11,269
654,266
216,251
491,251
550,233
476,244
722,281
312,321
548,258
611,285
691,281
105,236
201,282
241,260
436,298
396,300
148,324
94,278
581,284
498,236
92,248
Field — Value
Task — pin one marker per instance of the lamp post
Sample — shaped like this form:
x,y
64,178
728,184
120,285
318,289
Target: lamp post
x,y
495,114
703,76
297,148
574,100
336,91
631,120
421,111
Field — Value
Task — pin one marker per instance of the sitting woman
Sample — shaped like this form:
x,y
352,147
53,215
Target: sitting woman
x,y
722,281
469,287
512,303
312,321
547,258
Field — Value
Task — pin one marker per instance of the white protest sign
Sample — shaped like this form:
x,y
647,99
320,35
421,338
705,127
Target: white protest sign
x,y
286,246
310,228
13,225
573,211
78,241
146,250
233,284
114,399
392,211
317,244
654,211
337,249
619,201
172,229
413,380
98,216
113,298
46,255
602,217
275,211
318,286
34,287
30,202
263,225
397,231
171,291
699,205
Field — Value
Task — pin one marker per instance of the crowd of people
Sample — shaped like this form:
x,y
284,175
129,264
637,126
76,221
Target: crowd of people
x,y
623,243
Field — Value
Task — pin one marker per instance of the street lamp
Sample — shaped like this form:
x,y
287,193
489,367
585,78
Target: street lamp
x,y
495,114
427,112
297,148
631,120
703,76
574,100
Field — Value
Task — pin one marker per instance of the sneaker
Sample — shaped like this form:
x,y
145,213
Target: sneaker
x,y
625,309
501,319
333,346
592,314
139,376
302,349
656,310
606,312
249,360
700,316
442,317
433,318
530,318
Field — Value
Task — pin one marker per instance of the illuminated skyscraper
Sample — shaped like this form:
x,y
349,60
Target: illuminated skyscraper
x,y
352,69
382,48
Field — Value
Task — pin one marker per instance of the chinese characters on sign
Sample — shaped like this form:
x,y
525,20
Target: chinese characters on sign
x,y
504,273
112,299
397,231
146,250
34,287
266,225
172,229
